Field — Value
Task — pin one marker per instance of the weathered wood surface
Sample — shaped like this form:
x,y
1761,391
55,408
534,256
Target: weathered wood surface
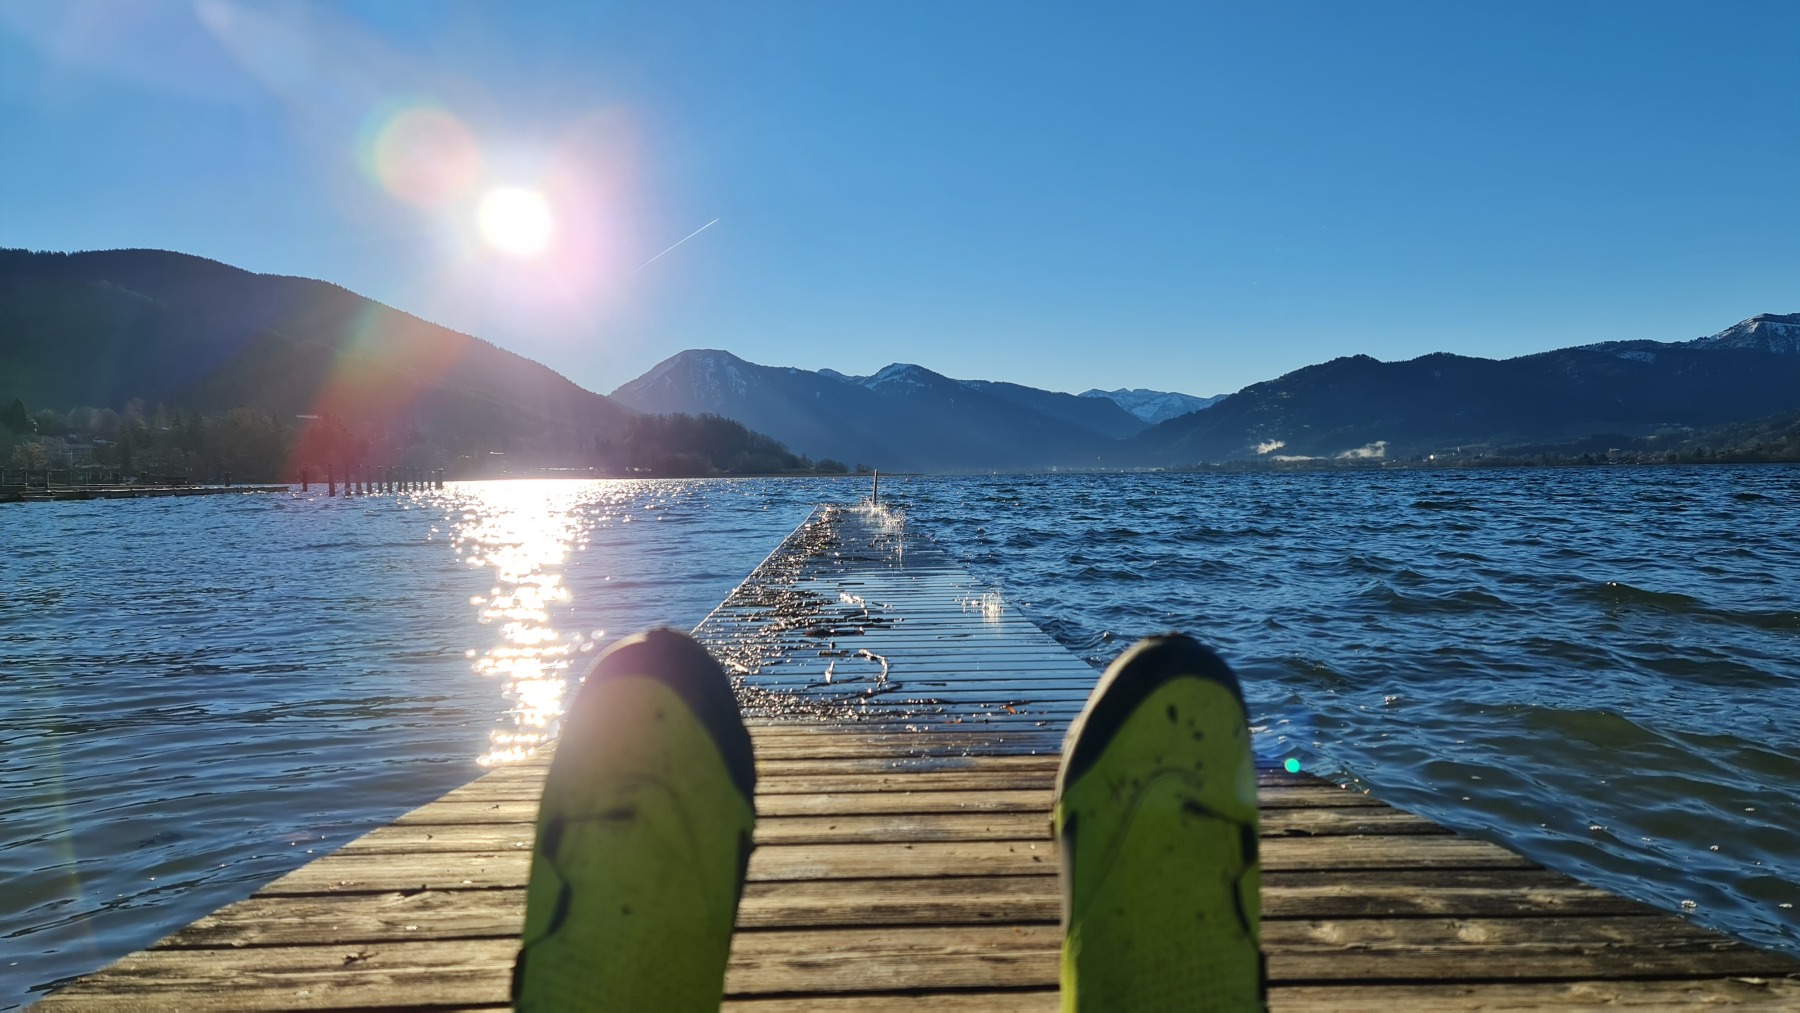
x,y
905,859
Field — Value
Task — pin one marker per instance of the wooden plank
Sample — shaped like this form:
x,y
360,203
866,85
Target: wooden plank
x,y
888,959
362,870
274,919
424,838
770,788
1001,797
984,956
401,975
1024,767
795,763
1034,1000
318,990
1379,997
1685,993
960,899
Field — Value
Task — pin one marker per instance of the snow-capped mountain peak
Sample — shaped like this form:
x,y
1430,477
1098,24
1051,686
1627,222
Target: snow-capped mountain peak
x,y
1155,406
902,373
1766,332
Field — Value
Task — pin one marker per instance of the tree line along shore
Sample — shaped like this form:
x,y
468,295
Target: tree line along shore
x,y
86,446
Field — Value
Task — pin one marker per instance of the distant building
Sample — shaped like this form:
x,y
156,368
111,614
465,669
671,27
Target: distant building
x,y
66,454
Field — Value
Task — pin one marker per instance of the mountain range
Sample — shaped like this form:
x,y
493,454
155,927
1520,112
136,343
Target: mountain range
x,y
104,328
902,418
1155,406
907,417
1443,403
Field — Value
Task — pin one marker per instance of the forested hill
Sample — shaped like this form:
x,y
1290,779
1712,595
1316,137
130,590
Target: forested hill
x,y
105,328
1358,407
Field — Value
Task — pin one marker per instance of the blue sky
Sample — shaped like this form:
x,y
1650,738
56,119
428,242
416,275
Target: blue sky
x,y
1187,196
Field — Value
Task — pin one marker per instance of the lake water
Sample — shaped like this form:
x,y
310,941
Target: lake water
x,y
1598,667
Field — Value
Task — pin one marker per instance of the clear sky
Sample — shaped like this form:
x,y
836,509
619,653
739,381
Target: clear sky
x,y
1186,196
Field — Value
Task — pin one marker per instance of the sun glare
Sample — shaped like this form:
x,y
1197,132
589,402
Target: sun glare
x,y
516,221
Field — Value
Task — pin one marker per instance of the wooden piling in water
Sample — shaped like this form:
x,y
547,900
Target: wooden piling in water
x,y
906,724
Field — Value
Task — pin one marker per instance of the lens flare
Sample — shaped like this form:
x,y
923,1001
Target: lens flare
x,y
425,156
515,221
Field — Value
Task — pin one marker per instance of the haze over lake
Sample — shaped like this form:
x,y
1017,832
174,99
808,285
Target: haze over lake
x,y
1598,667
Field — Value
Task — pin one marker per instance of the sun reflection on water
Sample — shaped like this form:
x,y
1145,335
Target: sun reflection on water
x,y
525,532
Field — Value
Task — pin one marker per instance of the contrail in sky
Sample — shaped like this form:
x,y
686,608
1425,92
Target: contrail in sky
x,y
678,242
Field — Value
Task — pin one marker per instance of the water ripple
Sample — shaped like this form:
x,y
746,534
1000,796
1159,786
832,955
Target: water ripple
x,y
1598,667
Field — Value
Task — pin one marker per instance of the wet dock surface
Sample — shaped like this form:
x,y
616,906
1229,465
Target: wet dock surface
x,y
906,724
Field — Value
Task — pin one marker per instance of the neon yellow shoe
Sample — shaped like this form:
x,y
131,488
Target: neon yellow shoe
x,y
643,837
1156,823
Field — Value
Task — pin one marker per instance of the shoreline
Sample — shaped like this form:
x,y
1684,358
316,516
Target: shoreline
x,y
65,494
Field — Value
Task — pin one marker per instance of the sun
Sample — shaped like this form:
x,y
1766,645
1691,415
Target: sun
x,y
516,221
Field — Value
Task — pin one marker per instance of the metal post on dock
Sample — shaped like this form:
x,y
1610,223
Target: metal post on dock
x,y
875,494
330,480
305,486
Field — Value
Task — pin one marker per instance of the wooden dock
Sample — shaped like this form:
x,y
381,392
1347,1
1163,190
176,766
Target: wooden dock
x,y
904,855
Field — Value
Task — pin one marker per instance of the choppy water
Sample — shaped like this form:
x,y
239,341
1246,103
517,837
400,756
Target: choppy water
x,y
1599,667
